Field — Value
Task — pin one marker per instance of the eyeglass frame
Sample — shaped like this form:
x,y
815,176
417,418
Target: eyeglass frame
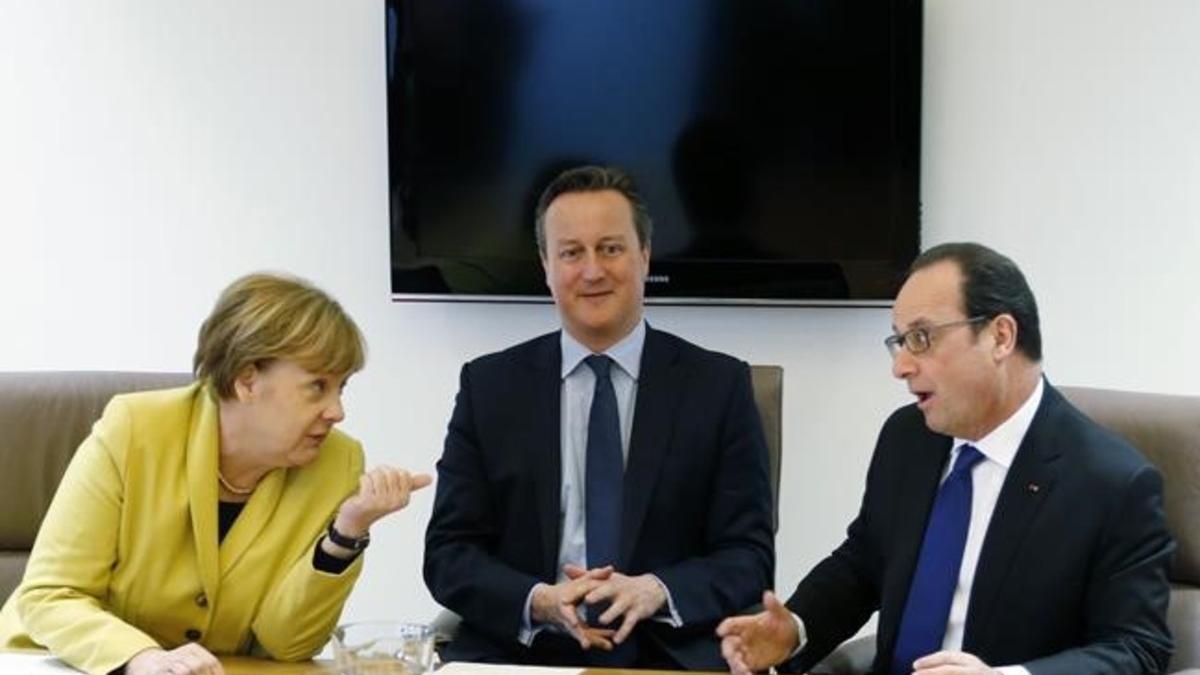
x,y
897,341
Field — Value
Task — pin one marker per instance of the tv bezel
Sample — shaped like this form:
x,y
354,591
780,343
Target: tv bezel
x,y
907,22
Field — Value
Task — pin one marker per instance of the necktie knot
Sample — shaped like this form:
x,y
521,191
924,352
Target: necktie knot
x,y
600,364
968,457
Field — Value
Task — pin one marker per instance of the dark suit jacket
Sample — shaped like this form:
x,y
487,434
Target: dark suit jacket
x,y
697,498
1072,576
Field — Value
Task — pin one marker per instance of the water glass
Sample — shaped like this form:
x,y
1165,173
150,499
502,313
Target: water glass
x,y
383,648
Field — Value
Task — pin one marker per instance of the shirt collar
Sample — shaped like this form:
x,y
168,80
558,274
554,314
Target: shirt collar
x,y
1002,444
627,352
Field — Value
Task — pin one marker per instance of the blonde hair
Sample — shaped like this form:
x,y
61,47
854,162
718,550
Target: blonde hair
x,y
264,317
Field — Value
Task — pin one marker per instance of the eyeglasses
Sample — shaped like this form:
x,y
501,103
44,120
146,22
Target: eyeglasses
x,y
920,339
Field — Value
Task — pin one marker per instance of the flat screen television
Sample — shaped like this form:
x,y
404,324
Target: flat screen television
x,y
776,142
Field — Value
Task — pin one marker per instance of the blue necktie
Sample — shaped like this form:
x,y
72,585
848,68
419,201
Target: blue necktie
x,y
923,624
605,469
602,495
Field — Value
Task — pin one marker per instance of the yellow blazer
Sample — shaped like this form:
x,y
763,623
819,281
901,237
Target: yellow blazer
x,y
127,556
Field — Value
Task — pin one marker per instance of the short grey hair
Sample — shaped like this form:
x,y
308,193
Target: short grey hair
x,y
594,179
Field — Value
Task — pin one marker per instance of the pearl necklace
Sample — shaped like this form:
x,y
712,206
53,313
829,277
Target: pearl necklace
x,y
241,492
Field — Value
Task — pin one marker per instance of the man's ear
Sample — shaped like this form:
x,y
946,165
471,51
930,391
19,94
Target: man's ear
x,y
1004,331
246,383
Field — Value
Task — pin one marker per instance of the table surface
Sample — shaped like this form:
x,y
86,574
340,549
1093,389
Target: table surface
x,y
242,665
246,666
236,665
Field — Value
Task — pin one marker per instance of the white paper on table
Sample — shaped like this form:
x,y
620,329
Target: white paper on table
x,y
461,668
32,664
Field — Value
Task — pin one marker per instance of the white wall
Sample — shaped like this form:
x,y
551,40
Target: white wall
x,y
150,151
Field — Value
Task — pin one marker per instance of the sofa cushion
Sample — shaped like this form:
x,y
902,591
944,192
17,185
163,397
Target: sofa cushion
x,y
44,416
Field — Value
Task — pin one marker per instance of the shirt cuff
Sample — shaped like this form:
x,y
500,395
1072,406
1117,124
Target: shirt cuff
x,y
667,614
528,631
1013,670
802,635
331,564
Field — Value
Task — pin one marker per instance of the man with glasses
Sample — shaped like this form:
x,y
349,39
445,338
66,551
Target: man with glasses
x,y
1001,531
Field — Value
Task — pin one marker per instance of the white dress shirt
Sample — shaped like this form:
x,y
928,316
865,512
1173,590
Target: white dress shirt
x,y
999,448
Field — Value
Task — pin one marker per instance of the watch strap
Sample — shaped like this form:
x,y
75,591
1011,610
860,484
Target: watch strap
x,y
351,543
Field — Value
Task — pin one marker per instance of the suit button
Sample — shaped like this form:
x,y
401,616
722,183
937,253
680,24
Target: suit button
x,y
192,634
202,600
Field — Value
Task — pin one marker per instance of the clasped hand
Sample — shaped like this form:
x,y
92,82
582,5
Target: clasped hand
x,y
630,599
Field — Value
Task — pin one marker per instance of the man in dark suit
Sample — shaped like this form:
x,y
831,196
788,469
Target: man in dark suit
x,y
1001,531
603,495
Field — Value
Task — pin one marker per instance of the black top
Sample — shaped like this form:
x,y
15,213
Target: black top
x,y
227,512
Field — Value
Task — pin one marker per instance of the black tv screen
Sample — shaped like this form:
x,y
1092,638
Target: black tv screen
x,y
776,142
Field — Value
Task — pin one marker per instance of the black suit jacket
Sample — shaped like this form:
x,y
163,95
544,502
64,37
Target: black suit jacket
x,y
697,498
1072,576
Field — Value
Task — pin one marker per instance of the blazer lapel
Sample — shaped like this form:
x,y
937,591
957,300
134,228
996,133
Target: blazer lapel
x,y
253,520
659,389
202,452
924,463
1029,482
545,369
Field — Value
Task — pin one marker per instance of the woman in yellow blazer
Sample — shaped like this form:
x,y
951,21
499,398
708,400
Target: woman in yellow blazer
x,y
226,517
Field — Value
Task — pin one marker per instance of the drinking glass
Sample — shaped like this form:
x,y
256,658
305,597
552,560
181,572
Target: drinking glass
x,y
383,648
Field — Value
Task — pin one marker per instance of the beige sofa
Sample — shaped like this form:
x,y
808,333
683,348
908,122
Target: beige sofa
x,y
1167,430
43,418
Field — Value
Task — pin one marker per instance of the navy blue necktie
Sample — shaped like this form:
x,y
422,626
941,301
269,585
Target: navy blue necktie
x,y
605,469
602,496
923,624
